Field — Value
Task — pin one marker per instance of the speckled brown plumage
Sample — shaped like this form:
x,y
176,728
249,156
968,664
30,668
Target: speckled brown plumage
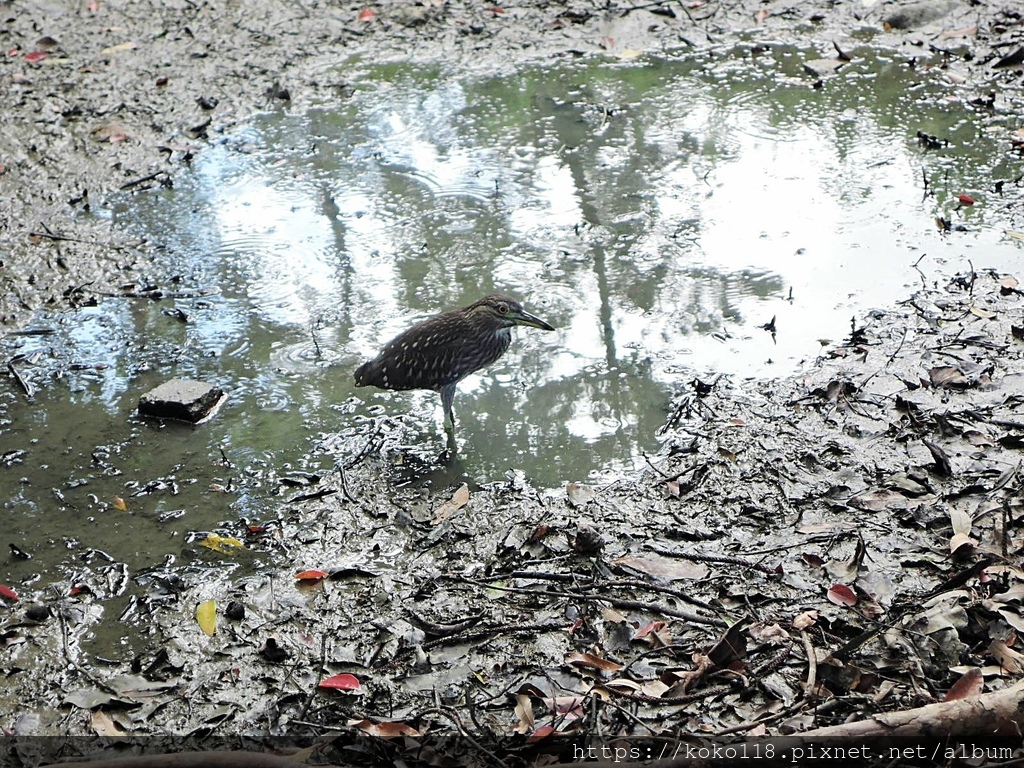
x,y
439,352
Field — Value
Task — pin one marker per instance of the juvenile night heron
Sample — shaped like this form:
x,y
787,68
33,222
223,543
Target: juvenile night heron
x,y
438,353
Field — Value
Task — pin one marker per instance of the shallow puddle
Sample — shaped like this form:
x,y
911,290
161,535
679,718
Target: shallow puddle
x,y
658,211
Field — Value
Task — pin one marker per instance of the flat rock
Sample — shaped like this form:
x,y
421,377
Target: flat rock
x,y
182,400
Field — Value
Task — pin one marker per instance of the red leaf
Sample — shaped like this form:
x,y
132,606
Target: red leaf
x,y
540,734
496,9
93,5
367,14
8,594
311,575
33,56
971,683
654,626
343,682
840,594
965,199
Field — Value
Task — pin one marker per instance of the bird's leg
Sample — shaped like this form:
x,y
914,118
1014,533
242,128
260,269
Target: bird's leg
x,y
447,397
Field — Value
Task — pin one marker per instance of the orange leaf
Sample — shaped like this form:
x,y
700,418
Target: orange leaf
x,y
388,730
119,504
367,14
343,682
970,683
590,660
540,734
840,594
311,575
654,626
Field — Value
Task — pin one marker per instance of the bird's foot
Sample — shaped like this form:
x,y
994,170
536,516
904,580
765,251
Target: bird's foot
x,y
451,449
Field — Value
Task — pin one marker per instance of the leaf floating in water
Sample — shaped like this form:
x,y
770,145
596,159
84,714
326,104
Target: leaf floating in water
x,y
311,575
224,544
206,615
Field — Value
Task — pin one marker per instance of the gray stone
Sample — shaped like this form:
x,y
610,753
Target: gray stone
x,y
915,15
182,400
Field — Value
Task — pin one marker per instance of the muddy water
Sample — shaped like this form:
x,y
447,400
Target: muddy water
x,y
658,211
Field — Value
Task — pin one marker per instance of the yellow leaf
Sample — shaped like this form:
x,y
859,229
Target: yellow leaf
x,y
224,544
206,615
1015,235
129,46
119,504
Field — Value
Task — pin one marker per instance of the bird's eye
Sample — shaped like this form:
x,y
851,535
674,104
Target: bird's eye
x,y
503,309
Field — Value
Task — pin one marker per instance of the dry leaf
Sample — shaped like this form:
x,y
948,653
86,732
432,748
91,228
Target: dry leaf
x,y
386,731
206,615
342,682
578,494
840,594
876,500
960,544
103,724
524,713
578,659
453,505
805,620
971,683
663,568
1009,659
948,376
961,520
129,46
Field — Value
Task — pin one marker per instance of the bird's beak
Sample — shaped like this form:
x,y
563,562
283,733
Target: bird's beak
x,y
525,318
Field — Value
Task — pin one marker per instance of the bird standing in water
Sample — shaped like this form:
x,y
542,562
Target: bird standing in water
x,y
441,351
